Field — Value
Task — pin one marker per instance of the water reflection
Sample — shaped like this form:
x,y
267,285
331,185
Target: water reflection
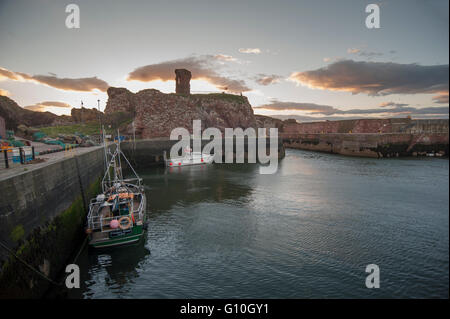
x,y
185,186
112,270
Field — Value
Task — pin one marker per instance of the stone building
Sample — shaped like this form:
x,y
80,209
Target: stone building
x,y
2,127
183,77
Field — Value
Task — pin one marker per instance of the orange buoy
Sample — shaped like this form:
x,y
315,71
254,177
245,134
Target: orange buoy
x,y
127,224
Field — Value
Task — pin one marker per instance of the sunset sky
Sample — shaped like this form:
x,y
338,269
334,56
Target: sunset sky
x,y
309,59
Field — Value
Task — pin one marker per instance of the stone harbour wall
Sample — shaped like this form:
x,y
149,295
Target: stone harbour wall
x,y
42,213
372,145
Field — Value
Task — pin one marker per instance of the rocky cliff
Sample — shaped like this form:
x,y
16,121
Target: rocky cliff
x,y
15,115
85,115
157,113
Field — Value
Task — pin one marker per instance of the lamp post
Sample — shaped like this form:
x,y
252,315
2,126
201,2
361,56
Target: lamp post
x,y
100,118
81,117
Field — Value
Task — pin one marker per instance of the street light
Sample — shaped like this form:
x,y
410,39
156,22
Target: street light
x,y
100,118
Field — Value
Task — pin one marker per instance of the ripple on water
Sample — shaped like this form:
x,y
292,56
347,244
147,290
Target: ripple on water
x,y
307,231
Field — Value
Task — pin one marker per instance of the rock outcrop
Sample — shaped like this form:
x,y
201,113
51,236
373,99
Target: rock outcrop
x,y
157,113
15,115
84,115
268,122
119,100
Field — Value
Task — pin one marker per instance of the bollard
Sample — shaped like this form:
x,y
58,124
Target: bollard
x,y
22,160
5,152
32,152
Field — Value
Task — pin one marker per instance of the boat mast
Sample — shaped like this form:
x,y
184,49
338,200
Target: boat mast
x,y
118,154
106,154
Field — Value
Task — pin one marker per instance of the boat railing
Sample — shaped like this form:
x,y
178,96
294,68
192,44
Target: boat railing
x,y
108,184
96,221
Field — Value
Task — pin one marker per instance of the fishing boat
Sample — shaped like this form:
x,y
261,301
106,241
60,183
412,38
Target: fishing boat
x,y
117,215
190,158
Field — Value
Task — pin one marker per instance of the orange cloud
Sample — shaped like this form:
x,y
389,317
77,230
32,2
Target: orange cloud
x,y
4,92
327,110
67,84
376,78
250,50
265,79
386,104
202,68
42,107
442,98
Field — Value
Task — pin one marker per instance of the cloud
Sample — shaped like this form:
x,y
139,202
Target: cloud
x,y
364,53
385,104
250,50
369,54
442,98
42,107
305,118
67,84
317,109
4,93
265,79
353,50
80,84
55,104
296,106
376,78
36,108
202,68
224,57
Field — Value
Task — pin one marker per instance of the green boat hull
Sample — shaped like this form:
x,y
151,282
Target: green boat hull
x,y
132,237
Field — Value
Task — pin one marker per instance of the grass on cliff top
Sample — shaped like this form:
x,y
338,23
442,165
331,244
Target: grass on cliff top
x,y
222,96
118,120
86,129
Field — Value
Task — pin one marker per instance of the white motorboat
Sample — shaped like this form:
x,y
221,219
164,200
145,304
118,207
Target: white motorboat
x,y
190,158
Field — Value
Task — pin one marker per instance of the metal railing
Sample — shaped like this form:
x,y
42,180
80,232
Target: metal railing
x,y
13,156
96,221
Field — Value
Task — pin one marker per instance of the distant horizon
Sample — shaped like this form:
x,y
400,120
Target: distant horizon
x,y
297,118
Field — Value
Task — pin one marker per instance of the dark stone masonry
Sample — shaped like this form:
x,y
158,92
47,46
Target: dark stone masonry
x,y
183,77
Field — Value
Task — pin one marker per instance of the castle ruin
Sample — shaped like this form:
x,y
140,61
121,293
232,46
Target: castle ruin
x,y
183,77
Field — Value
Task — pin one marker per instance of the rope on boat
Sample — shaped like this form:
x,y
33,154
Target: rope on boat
x,y
29,266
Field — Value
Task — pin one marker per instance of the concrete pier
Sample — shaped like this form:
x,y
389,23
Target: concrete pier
x,y
376,145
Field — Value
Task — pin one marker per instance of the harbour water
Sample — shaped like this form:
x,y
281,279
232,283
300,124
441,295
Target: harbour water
x,y
308,231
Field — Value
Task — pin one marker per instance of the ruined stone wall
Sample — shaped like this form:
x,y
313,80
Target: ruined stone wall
x,y
401,125
182,80
2,128
157,113
372,145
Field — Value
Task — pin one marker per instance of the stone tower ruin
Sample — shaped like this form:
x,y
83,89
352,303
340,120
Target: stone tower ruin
x,y
183,77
